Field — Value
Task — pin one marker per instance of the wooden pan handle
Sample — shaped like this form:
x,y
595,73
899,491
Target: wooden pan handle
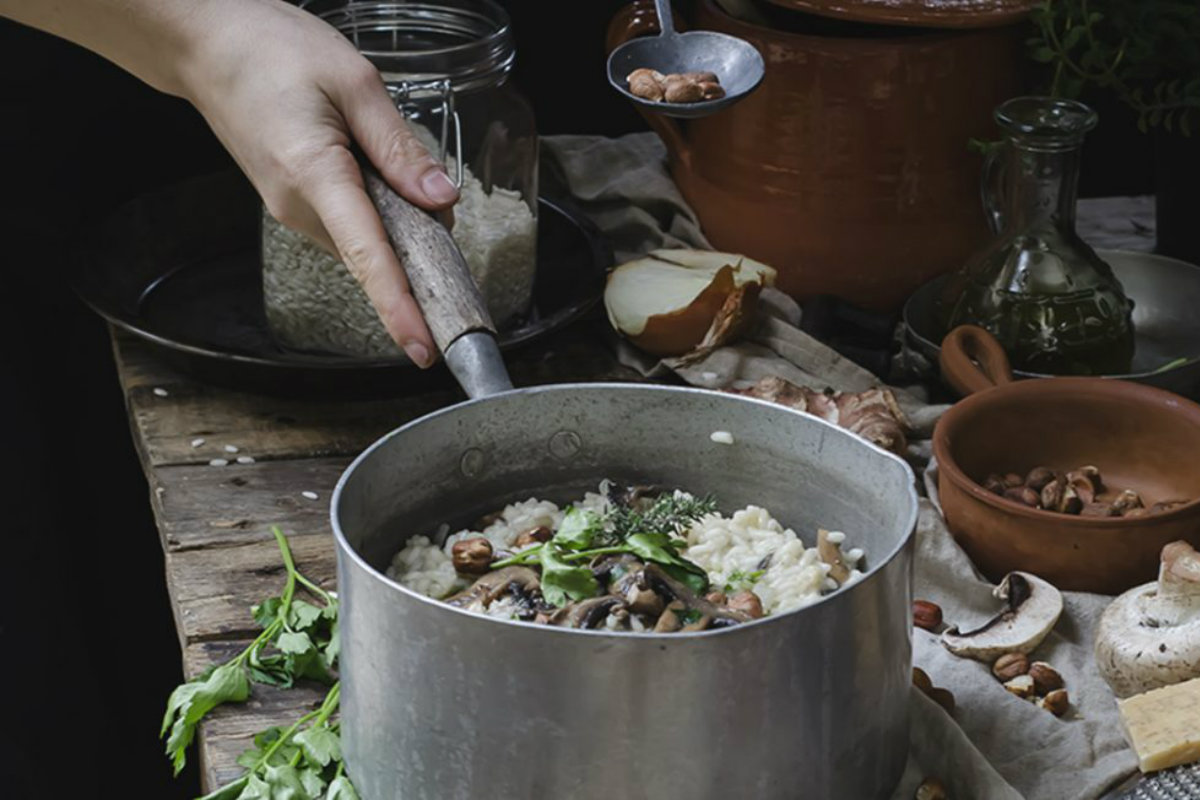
x,y
972,360
438,274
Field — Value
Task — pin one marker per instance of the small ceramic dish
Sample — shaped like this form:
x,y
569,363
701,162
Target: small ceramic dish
x,y
1140,437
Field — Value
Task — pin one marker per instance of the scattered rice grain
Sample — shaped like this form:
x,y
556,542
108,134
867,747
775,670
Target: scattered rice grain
x,y
721,437
161,392
219,462
245,459
229,448
835,537
197,442
309,495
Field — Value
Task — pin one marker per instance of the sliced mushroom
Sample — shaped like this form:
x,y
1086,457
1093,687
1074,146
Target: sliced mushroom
x,y
1031,608
589,613
618,571
1150,635
831,554
662,583
669,621
643,601
493,584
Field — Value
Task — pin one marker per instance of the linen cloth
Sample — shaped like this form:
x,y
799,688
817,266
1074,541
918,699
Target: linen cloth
x,y
996,747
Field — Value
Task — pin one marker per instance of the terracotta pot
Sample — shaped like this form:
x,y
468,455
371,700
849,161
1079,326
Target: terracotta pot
x,y
1140,438
848,169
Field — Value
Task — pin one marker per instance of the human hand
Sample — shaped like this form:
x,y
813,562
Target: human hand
x,y
287,95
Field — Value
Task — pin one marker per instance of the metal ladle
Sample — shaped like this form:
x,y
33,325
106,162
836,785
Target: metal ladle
x,y
736,62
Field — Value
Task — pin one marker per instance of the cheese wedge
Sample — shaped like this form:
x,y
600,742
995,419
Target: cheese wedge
x,y
1163,725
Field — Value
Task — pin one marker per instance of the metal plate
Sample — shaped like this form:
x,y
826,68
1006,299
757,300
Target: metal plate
x,y
181,269
1165,293
1179,783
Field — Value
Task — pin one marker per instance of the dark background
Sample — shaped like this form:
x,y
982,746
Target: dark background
x,y
87,642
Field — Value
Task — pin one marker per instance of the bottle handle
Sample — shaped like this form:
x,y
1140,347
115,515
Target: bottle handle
x,y
991,185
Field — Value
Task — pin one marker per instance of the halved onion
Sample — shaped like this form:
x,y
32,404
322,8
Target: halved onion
x,y
673,301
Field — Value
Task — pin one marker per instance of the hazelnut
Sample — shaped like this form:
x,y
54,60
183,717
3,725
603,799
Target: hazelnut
x,y
746,602
1038,477
646,83
931,789
678,89
1021,686
1083,484
533,536
921,680
1023,495
716,598
1052,494
1071,502
994,484
1012,480
927,615
943,698
711,90
1056,702
472,556
1094,474
1045,677
1126,501
701,77
1010,665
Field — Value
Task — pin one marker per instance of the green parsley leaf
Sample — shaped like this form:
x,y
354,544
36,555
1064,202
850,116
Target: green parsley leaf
x,y
320,745
741,581
297,643
191,701
285,784
578,529
266,611
341,789
311,780
303,615
562,582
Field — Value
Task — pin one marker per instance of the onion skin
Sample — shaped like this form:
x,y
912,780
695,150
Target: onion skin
x,y
723,309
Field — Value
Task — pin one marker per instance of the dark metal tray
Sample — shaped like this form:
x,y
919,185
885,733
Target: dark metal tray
x,y
181,269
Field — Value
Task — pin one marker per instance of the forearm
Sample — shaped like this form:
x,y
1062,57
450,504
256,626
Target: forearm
x,y
153,39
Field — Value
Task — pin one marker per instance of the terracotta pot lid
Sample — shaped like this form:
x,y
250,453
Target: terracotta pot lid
x,y
923,13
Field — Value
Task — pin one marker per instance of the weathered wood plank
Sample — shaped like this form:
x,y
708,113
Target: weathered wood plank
x,y
212,589
206,507
230,730
280,428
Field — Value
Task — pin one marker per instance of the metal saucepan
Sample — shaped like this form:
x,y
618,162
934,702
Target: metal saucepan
x,y
442,704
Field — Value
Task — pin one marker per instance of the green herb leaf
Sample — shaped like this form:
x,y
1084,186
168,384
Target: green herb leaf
x,y
311,780
696,581
740,581
562,582
651,547
266,611
296,643
285,784
341,789
230,791
256,789
320,745
578,529
303,615
191,701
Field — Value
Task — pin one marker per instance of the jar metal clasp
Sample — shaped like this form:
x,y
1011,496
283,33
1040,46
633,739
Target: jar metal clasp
x,y
404,92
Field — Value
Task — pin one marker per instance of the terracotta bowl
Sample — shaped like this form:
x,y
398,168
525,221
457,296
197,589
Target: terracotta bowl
x,y
1140,438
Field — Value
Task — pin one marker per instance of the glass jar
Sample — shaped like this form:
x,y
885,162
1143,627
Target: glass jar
x,y
1054,305
447,64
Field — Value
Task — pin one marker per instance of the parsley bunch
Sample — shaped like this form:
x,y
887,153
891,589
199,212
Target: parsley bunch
x,y
301,762
299,640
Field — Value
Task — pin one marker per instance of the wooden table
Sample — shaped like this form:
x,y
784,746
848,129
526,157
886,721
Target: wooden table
x,y
214,522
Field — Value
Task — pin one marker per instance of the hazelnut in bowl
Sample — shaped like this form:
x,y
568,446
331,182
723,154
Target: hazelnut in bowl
x,y
1081,481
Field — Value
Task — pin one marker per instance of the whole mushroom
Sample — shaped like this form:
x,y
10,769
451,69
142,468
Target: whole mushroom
x,y
1031,608
1150,636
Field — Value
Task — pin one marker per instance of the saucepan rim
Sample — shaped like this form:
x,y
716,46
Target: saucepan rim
x,y
346,550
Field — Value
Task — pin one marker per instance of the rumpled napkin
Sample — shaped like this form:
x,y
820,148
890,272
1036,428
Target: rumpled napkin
x,y
996,747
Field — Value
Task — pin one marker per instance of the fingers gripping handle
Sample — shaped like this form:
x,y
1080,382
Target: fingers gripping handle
x,y
436,270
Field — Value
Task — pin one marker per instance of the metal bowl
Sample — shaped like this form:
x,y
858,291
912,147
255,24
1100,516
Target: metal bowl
x,y
1165,293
